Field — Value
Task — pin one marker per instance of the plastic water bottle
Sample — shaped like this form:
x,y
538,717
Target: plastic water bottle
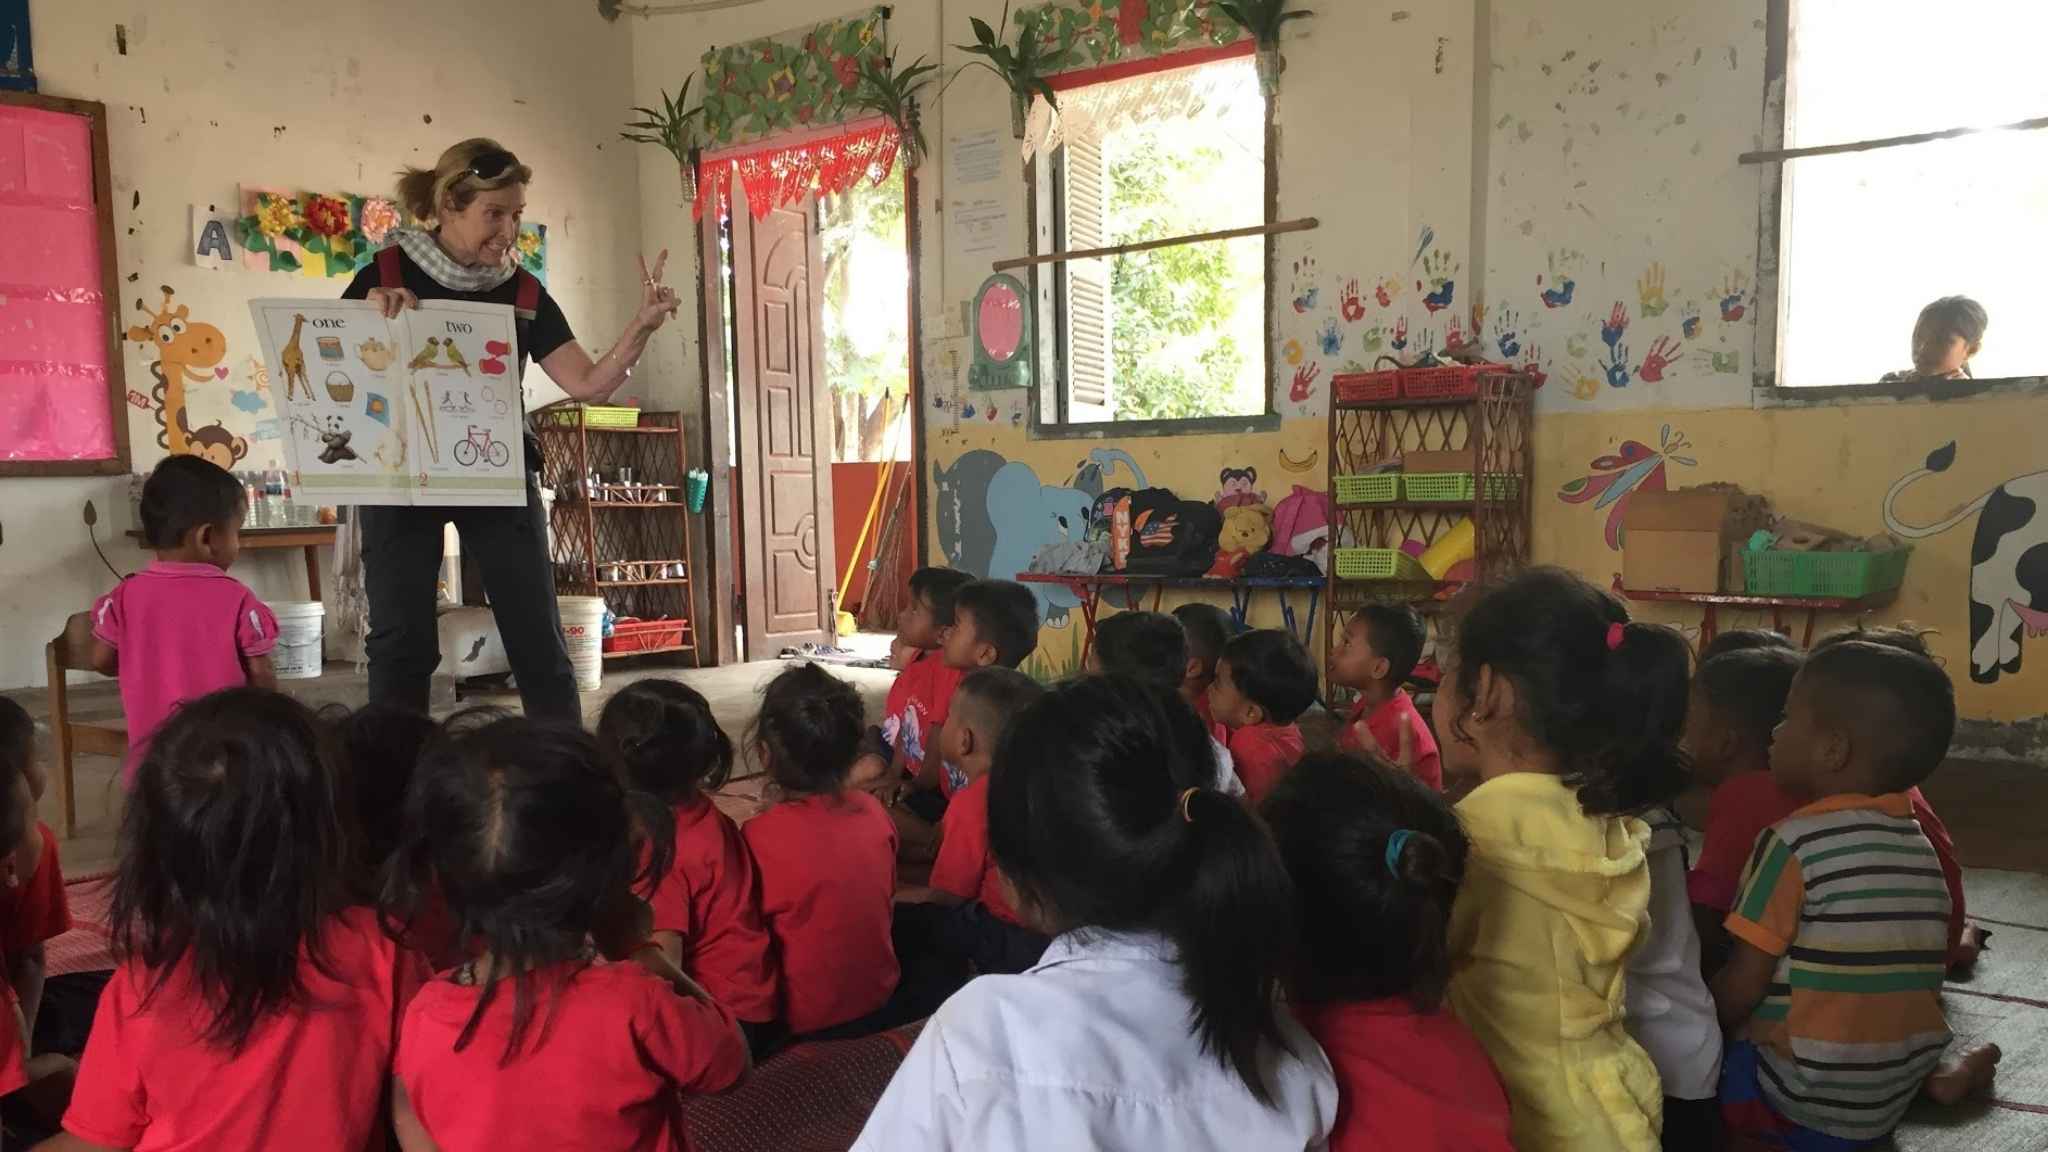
x,y
274,507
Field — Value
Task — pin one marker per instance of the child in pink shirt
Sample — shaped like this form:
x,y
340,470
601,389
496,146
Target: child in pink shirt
x,y
182,627
1381,646
1264,682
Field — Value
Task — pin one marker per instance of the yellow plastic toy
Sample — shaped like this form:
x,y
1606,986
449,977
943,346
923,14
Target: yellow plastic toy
x,y
1456,546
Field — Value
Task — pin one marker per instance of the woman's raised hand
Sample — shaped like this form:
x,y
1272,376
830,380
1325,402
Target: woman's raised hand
x,y
658,301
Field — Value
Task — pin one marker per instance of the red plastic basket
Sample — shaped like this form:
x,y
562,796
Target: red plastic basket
x,y
1365,387
630,636
1449,382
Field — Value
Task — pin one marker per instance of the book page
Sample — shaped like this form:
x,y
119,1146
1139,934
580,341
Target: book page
x,y
335,380
466,413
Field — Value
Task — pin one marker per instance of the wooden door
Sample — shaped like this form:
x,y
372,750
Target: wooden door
x,y
784,431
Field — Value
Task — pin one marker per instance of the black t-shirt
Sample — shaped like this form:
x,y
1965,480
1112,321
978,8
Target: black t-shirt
x,y
538,337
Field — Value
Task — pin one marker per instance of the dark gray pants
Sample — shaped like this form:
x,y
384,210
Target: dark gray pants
x,y
401,563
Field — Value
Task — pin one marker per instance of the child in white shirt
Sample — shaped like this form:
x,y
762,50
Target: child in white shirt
x,y
1153,1020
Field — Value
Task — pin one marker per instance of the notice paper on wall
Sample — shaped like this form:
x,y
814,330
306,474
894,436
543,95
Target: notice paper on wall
x,y
975,157
979,226
424,409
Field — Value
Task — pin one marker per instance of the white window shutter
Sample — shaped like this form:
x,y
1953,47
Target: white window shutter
x,y
1090,318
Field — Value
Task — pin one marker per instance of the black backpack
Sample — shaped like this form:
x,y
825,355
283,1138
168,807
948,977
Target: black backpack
x,y
1152,532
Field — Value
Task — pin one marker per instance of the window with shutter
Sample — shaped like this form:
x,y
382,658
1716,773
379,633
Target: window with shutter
x,y
1175,333
1090,315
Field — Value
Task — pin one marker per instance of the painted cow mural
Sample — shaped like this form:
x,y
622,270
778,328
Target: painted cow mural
x,y
2008,562
995,514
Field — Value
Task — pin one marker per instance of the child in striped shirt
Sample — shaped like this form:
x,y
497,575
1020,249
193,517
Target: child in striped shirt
x,y
1832,994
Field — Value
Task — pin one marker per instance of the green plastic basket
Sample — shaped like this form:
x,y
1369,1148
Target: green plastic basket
x,y
1382,488
1455,487
1837,575
1377,564
598,416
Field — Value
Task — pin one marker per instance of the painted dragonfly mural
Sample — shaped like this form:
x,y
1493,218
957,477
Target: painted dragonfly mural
x,y
1613,478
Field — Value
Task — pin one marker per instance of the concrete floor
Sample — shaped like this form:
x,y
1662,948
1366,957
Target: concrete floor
x,y
1992,810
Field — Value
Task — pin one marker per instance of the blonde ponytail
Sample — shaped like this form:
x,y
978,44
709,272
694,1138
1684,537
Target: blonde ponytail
x,y
423,191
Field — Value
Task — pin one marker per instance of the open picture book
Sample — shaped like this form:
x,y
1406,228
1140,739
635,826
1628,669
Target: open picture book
x,y
424,409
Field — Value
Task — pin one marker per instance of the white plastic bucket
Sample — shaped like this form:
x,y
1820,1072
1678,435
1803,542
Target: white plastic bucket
x,y
299,625
583,631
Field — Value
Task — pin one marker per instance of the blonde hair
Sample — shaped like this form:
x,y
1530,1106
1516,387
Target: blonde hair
x,y
422,191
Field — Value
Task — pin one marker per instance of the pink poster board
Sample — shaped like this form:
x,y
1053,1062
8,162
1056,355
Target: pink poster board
x,y
58,378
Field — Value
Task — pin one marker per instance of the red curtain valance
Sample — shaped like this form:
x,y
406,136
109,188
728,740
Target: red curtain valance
x,y
783,175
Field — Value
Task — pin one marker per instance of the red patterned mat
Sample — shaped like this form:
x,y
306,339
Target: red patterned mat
x,y
84,948
811,1098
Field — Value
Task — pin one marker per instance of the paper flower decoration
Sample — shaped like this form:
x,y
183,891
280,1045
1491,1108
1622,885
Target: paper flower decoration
x,y
327,215
380,216
276,215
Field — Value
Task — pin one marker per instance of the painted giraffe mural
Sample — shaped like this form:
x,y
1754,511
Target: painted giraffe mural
x,y
183,347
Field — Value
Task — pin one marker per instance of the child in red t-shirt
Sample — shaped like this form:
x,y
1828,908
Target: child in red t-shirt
x,y
1381,646
382,745
1264,682
1208,628
964,924
1738,697
1152,647
826,856
25,911
916,705
535,844
661,736
255,1006
995,624
33,907
1376,859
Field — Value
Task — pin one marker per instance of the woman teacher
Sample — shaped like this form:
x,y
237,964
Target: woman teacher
x,y
474,197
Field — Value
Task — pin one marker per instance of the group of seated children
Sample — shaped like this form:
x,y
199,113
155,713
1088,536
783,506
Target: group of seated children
x,y
496,933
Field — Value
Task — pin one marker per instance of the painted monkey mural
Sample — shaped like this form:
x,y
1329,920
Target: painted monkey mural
x,y
183,346
995,514
2008,562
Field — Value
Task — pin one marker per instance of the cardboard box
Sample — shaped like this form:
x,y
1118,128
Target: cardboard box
x,y
1421,461
1677,541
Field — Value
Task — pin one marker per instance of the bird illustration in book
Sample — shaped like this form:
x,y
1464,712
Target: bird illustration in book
x,y
455,356
426,356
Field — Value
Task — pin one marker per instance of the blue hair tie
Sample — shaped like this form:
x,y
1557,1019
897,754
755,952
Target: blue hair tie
x,y
1396,841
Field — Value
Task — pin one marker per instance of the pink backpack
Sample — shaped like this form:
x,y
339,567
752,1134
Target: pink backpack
x,y
1300,521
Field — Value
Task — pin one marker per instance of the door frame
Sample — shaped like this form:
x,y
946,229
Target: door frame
x,y
717,400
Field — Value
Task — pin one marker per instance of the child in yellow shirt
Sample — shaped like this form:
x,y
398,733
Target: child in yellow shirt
x,y
1570,717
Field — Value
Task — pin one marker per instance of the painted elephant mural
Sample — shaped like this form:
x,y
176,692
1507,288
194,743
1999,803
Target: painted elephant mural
x,y
2008,562
995,514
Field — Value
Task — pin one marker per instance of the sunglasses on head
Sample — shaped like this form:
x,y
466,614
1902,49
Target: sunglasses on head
x,y
491,165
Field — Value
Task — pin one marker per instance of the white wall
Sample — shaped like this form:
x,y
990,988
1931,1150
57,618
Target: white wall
x,y
212,94
1614,131
1463,117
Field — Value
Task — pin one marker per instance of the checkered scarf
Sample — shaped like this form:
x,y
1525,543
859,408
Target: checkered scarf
x,y
426,252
